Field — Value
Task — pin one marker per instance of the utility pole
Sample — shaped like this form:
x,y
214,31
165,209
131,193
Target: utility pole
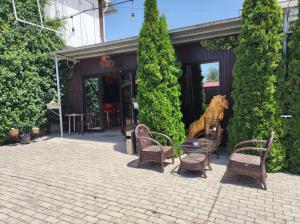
x,y
101,4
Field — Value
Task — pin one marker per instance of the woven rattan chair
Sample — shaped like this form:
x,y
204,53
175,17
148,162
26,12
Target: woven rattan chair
x,y
150,149
211,138
251,165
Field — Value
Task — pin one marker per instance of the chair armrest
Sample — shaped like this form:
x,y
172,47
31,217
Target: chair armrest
x,y
161,134
153,141
250,142
248,149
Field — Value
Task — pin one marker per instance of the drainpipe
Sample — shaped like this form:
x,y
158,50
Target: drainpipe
x,y
58,96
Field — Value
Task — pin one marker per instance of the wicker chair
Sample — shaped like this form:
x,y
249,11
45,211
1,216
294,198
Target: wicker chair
x,y
211,138
251,165
150,149
213,135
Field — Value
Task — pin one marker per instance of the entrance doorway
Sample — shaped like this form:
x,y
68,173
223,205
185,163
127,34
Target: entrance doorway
x,y
108,101
111,102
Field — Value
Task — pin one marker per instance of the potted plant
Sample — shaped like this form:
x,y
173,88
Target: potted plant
x,y
35,130
14,132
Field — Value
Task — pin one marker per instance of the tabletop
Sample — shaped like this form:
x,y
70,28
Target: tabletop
x,y
73,115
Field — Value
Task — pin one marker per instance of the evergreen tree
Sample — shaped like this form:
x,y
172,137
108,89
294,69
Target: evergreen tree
x,y
258,56
171,71
27,76
293,98
158,73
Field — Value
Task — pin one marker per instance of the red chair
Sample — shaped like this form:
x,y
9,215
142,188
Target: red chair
x,y
107,108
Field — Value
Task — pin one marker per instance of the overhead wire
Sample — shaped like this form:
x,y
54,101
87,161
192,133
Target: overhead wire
x,y
95,8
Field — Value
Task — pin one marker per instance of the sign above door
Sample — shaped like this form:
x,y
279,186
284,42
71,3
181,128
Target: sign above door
x,y
106,62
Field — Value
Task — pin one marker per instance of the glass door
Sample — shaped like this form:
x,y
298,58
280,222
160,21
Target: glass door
x,y
93,103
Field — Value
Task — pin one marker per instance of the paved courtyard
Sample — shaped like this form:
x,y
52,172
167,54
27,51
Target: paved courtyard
x,y
90,179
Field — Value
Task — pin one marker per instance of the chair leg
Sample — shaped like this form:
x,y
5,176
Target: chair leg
x,y
179,170
264,185
173,159
140,162
209,166
263,182
204,173
227,174
162,166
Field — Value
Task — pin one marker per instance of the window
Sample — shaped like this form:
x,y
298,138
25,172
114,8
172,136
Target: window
x,y
211,74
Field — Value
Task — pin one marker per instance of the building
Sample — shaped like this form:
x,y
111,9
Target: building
x,y
86,28
112,66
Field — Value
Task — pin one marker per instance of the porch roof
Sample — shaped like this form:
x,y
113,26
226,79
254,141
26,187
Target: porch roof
x,y
179,36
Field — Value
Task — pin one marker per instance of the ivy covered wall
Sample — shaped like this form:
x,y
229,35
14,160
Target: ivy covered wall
x,y
27,75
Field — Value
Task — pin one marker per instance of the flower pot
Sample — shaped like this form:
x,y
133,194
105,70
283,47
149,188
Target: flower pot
x,y
14,133
26,138
35,131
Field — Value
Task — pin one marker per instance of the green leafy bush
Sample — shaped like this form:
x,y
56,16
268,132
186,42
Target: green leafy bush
x,y
27,76
255,76
158,74
293,99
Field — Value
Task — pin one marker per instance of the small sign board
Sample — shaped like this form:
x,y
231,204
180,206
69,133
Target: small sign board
x,y
52,106
135,105
106,62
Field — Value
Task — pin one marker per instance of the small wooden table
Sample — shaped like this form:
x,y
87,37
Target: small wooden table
x,y
74,121
196,159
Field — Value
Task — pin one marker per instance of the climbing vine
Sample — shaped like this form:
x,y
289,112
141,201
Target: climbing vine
x,y
27,76
221,43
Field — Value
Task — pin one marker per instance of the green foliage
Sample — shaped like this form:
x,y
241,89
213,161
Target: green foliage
x,y
202,93
212,75
171,72
221,43
92,94
27,76
255,76
293,98
158,73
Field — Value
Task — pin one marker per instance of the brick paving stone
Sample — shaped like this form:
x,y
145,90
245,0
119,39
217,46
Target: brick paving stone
x,y
3,217
88,179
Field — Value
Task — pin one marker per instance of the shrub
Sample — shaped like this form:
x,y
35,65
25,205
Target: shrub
x,y
158,72
258,56
293,98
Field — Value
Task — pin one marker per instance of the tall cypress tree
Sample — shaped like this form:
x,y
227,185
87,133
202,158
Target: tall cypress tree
x,y
158,73
293,98
148,73
258,56
171,71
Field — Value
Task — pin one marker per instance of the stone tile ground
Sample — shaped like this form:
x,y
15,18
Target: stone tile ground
x,y
89,179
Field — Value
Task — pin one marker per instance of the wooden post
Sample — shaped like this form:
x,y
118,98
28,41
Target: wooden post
x,y
101,20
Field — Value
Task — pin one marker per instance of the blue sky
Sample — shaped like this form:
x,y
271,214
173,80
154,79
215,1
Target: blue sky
x,y
179,13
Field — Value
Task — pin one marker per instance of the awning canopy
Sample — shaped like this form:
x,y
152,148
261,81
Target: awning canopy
x,y
179,36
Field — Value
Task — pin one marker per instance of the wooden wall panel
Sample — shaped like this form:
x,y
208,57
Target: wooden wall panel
x,y
187,54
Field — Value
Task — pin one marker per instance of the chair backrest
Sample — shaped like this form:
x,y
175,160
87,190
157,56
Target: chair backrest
x,y
107,107
268,147
142,131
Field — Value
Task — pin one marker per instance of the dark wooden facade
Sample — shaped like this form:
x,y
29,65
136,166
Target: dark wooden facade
x,y
188,54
